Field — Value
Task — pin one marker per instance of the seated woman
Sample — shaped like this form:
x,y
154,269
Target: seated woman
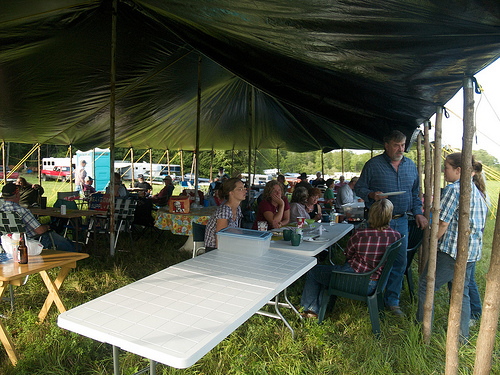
x,y
228,214
28,194
329,196
298,204
120,189
312,205
364,251
274,207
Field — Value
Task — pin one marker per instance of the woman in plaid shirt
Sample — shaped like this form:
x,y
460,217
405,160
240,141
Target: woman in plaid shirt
x,y
364,251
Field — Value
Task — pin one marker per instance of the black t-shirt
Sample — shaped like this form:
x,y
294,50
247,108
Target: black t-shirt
x,y
142,185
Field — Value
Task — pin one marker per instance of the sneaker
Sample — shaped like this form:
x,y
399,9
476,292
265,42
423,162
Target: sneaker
x,y
309,314
395,310
472,323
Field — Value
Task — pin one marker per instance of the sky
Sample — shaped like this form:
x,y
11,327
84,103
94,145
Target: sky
x,y
487,114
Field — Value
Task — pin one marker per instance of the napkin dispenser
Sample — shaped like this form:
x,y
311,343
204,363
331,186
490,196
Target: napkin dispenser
x,y
243,241
178,204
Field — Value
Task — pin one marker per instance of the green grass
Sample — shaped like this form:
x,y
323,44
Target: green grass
x,y
344,344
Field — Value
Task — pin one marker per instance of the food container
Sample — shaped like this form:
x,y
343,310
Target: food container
x,y
354,211
243,241
179,204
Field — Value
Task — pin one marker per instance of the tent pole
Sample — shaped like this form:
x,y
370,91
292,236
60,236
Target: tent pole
x,y
419,165
112,115
322,165
39,166
452,336
342,155
198,124
132,165
254,164
70,167
232,160
168,163
93,167
424,251
211,164
3,163
182,168
251,105
278,160
150,166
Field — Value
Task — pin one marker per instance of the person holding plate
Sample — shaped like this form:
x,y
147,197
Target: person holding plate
x,y
388,173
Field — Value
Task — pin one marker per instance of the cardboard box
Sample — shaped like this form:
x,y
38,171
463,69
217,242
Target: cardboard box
x,y
244,241
178,204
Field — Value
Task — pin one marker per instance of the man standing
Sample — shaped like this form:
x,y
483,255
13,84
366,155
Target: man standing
x,y
303,182
392,172
346,193
222,175
34,230
80,176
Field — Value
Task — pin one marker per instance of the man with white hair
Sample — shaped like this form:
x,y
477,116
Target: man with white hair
x,y
318,181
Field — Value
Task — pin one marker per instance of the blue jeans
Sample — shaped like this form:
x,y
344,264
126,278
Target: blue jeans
x,y
319,277
60,242
445,266
475,299
395,280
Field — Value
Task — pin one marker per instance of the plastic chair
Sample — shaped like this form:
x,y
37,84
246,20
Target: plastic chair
x,y
415,236
11,222
355,286
198,238
124,216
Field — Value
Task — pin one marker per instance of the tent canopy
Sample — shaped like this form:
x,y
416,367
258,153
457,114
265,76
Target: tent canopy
x,y
300,75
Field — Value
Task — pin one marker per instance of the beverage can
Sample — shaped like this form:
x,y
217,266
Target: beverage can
x,y
63,209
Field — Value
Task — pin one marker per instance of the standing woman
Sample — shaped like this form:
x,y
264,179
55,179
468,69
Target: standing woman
x,y
274,207
312,204
227,214
448,239
329,196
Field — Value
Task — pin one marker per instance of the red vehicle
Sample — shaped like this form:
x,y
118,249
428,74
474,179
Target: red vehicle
x,y
12,178
56,173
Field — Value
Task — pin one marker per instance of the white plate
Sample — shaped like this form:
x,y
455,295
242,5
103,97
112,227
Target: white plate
x,y
392,193
311,239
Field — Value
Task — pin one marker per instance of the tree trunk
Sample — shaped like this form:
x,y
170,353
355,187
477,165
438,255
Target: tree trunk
x,y
432,248
491,308
452,339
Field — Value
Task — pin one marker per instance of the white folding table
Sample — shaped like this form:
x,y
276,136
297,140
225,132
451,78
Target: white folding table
x,y
331,234
177,315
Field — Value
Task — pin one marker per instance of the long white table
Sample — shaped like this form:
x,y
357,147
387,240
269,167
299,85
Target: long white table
x,y
177,315
331,234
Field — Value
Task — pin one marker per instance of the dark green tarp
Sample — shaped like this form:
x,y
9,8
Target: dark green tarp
x,y
327,74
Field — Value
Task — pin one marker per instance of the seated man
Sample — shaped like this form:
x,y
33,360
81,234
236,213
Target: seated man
x,y
143,184
120,189
28,194
364,251
88,189
161,199
34,230
346,194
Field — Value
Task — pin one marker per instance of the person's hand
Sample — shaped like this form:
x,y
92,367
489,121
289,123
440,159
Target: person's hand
x,y
421,221
276,224
376,195
276,198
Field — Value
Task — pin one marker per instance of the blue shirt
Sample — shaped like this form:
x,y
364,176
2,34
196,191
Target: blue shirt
x,y
379,175
449,214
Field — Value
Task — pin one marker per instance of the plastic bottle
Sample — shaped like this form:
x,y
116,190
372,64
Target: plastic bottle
x,y
22,250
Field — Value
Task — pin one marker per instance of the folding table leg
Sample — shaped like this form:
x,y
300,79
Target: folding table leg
x,y
5,338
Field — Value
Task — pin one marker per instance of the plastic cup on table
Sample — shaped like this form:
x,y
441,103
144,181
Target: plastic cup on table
x,y
295,239
300,221
262,226
287,234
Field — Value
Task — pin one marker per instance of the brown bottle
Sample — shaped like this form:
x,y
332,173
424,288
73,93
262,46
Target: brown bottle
x,y
22,250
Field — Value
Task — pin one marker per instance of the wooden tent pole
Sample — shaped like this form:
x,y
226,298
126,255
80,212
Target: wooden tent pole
x,y
254,164
322,165
168,163
39,164
232,161
93,167
278,159
71,168
342,154
151,166
132,165
436,208
424,249
198,124
112,116
3,163
452,337
211,164
419,167
182,167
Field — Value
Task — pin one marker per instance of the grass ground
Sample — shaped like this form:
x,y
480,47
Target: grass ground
x,y
344,344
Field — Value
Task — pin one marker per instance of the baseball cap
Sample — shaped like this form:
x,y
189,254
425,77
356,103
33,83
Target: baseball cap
x,y
140,176
9,190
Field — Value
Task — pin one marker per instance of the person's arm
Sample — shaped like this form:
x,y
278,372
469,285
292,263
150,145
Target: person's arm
x,y
42,229
221,224
363,188
318,215
443,226
286,218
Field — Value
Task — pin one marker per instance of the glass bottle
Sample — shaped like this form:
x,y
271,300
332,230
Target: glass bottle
x,y
22,250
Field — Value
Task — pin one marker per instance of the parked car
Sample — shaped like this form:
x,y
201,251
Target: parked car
x,y
12,178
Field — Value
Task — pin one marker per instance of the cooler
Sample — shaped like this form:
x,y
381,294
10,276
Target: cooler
x,y
244,241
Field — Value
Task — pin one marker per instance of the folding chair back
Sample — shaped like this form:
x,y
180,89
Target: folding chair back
x,y
124,216
198,238
68,195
